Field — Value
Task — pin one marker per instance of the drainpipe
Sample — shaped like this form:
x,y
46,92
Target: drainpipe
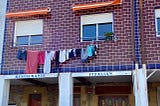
x,y
142,32
3,5
132,33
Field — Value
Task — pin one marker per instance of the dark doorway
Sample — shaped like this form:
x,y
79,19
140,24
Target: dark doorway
x,y
34,100
76,100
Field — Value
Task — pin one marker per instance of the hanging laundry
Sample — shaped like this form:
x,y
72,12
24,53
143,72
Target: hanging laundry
x,y
78,52
84,55
32,62
71,54
62,56
57,59
91,50
47,62
22,54
41,57
67,53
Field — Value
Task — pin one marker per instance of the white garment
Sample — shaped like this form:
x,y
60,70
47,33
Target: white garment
x,y
67,53
47,61
62,56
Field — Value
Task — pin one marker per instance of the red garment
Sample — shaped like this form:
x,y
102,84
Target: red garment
x,y
32,62
41,57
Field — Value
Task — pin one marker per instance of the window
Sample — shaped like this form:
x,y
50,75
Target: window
x,y
157,22
28,32
94,26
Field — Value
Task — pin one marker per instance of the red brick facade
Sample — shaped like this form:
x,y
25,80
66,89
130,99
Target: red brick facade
x,y
151,42
62,31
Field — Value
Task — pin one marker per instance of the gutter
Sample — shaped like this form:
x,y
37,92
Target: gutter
x,y
3,5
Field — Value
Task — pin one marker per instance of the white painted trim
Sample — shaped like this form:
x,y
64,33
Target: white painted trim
x,y
158,95
98,74
80,74
157,15
96,19
23,76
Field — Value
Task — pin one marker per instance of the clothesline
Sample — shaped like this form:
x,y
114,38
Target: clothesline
x,y
34,58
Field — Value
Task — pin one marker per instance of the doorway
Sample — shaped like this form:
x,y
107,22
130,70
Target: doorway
x,y
35,100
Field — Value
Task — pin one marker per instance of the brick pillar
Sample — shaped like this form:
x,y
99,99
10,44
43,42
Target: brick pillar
x,y
65,89
4,91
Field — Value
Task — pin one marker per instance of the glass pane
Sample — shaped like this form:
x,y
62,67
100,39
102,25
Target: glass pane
x,y
36,39
22,40
158,25
103,28
89,32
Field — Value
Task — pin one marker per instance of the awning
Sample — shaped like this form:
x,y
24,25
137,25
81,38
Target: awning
x,y
28,13
95,5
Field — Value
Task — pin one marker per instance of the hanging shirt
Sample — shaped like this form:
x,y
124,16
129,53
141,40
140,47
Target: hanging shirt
x,y
91,51
62,56
32,62
84,55
71,54
47,62
67,53
22,54
78,52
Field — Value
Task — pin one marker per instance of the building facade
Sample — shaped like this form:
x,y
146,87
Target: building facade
x,y
81,53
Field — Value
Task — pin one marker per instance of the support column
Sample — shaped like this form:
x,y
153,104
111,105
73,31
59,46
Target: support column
x,y
3,5
140,87
4,91
65,89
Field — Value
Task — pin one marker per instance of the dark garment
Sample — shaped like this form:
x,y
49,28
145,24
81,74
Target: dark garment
x,y
57,58
22,54
71,54
78,52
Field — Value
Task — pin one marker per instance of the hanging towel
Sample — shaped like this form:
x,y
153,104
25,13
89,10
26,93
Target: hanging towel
x,y
41,57
32,62
47,62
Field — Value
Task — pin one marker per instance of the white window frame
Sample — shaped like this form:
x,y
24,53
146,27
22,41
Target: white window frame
x,y
30,32
157,15
96,19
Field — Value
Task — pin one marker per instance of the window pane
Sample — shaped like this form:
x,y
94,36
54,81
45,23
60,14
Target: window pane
x,y
22,40
89,32
158,25
103,28
36,39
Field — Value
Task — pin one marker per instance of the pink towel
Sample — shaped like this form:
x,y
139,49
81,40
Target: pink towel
x,y
32,62
41,57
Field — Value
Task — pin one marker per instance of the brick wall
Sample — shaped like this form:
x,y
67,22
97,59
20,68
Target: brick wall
x,y
62,31
151,42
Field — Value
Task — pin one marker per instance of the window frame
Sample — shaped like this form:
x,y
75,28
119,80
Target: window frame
x,y
157,15
28,35
101,18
